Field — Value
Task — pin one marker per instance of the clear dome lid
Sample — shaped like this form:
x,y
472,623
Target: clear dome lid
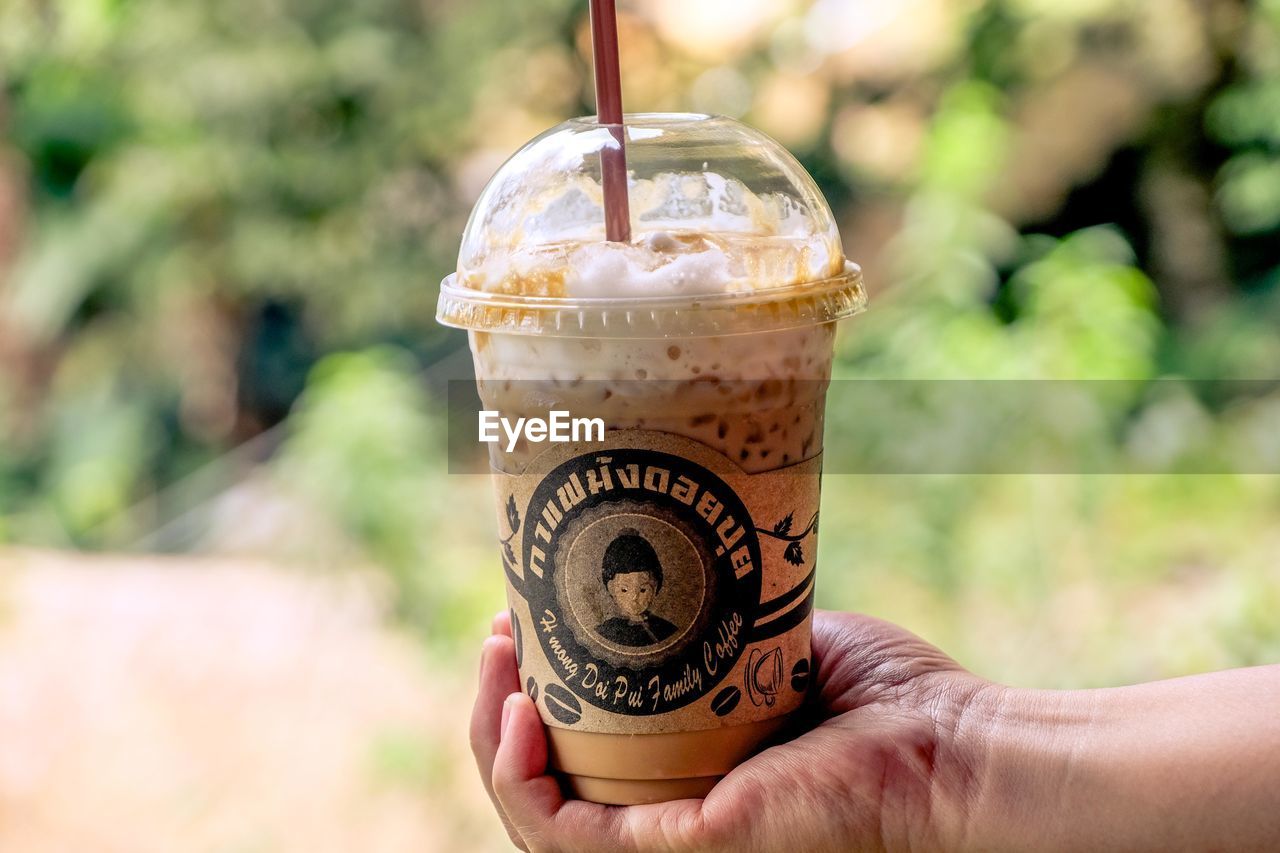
x,y
729,233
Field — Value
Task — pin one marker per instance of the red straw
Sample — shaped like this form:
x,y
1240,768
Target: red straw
x,y
613,160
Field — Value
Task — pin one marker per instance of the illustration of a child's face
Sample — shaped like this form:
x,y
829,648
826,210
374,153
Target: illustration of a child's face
x,y
633,592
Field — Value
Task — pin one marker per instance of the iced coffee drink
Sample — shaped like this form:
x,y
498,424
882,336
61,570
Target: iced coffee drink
x,y
661,580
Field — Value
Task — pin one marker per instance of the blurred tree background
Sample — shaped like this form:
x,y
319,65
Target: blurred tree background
x,y
222,226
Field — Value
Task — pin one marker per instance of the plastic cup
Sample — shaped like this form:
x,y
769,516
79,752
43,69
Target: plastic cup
x,y
661,581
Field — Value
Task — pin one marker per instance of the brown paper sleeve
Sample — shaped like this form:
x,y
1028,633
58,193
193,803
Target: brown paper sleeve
x,y
656,587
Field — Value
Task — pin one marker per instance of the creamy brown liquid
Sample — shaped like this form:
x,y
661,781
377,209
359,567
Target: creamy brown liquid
x,y
756,399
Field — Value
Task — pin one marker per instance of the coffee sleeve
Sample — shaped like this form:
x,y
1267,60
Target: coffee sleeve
x,y
655,587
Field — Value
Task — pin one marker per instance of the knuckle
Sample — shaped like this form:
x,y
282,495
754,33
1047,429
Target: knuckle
x,y
688,830
503,789
720,825
681,829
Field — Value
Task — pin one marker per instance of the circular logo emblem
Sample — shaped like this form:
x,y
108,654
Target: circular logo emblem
x,y
642,572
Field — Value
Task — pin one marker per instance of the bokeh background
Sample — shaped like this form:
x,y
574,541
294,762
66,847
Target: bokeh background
x,y
240,597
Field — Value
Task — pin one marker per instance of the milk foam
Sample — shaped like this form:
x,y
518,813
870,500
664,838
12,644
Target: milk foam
x,y
695,234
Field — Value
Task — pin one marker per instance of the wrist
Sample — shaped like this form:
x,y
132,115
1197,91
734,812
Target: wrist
x,y
1024,754
948,778
1187,763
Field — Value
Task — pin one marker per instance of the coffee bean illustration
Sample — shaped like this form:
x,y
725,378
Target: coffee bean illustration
x,y
726,700
515,636
531,687
562,704
800,675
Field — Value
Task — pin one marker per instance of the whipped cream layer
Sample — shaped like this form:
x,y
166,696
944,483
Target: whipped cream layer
x,y
694,234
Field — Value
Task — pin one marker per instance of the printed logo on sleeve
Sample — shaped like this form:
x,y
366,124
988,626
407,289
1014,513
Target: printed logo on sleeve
x,y
642,574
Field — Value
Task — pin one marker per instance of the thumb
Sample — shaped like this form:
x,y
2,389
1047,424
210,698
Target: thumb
x,y
856,656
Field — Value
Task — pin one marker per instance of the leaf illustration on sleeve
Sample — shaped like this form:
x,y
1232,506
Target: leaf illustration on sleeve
x,y
513,514
794,554
508,554
782,528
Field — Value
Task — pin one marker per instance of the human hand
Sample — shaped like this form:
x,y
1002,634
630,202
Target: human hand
x,y
878,759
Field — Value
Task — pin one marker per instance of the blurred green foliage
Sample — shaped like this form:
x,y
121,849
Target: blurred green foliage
x,y
212,197
226,221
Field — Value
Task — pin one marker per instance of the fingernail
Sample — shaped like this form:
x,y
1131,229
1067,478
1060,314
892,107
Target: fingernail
x,y
506,716
483,656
